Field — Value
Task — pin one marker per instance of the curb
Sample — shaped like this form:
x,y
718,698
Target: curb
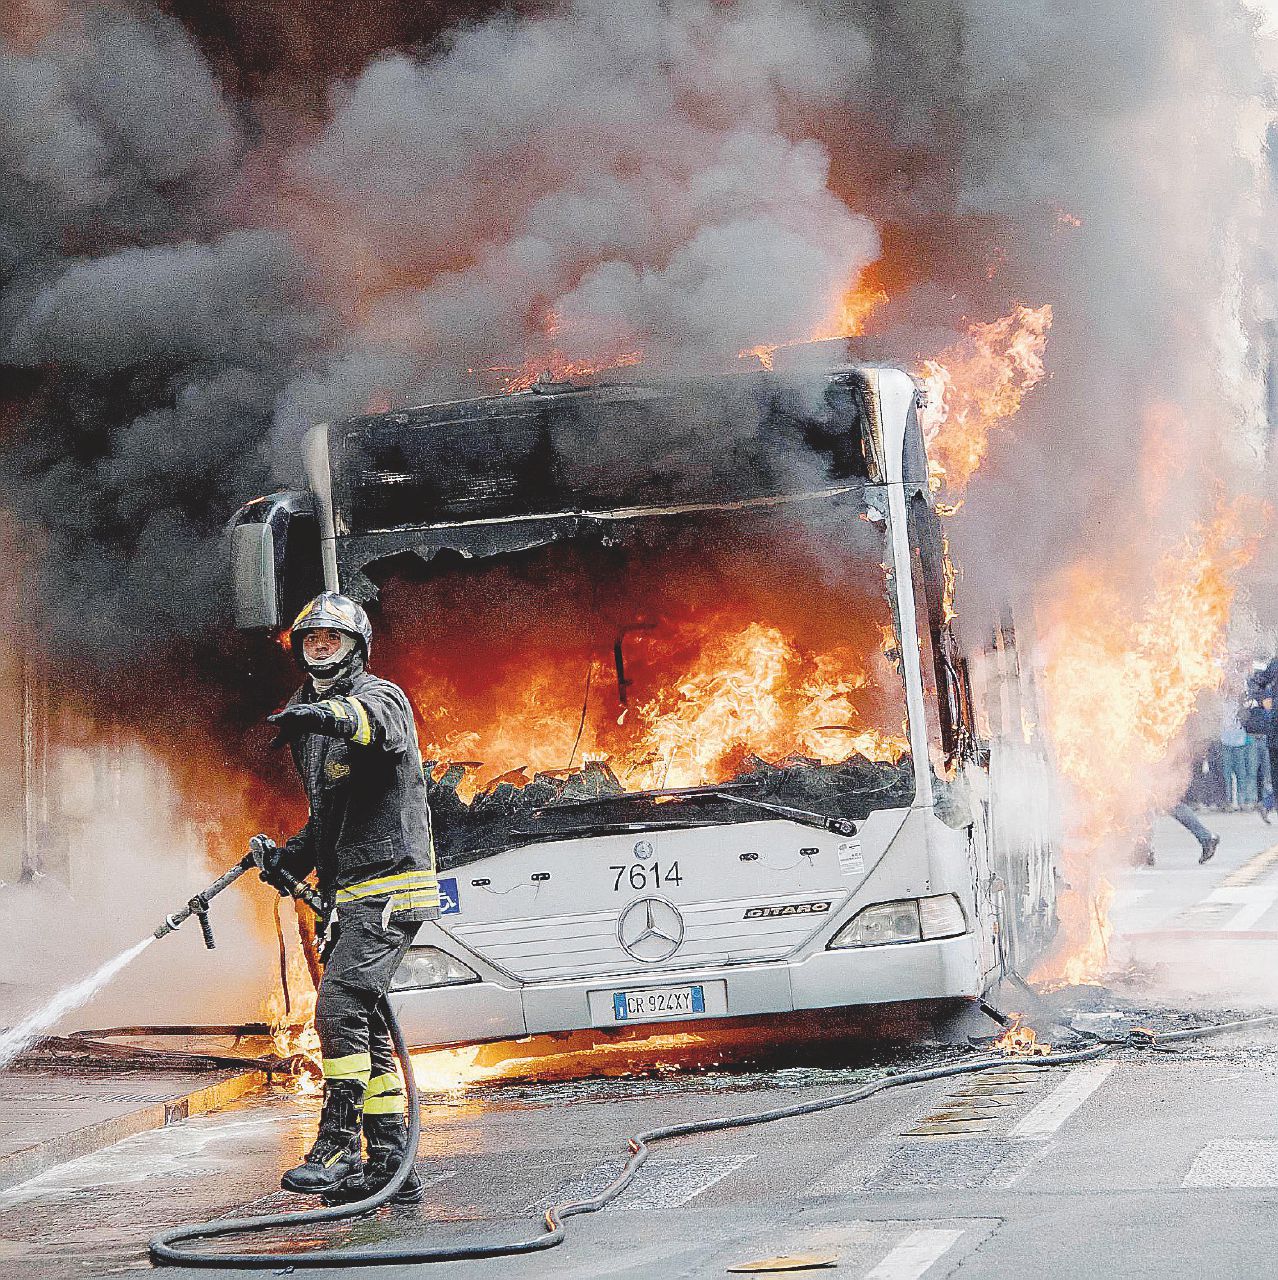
x,y
31,1161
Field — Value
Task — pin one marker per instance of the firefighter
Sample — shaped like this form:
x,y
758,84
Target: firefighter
x,y
368,838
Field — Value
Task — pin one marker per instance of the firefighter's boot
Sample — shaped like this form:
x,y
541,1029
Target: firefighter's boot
x,y
335,1158
387,1138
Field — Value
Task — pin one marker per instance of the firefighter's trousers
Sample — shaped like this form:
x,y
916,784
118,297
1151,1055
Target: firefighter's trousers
x,y
359,962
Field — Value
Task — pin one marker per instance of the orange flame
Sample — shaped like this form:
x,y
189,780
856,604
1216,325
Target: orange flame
x,y
858,302
1122,680
293,1037
292,1025
752,691
578,1054
977,385
555,366
1020,1041
847,319
950,572
746,690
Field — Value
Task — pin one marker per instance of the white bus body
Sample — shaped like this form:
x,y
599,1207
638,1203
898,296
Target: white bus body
x,y
932,900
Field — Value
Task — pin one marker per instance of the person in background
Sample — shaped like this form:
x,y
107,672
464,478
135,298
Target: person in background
x,y
1208,841
1238,764
1208,787
1258,750
1258,721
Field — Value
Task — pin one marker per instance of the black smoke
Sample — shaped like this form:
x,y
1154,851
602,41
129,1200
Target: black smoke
x,y
217,226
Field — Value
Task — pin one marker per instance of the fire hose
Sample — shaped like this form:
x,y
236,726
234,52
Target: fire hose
x,y
164,1250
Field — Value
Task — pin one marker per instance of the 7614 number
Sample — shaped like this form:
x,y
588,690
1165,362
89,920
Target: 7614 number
x,y
638,876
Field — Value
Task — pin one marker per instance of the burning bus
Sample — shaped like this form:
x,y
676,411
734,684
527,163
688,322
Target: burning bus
x,y
701,737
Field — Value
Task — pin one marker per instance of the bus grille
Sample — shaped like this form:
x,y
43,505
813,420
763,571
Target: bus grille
x,y
559,948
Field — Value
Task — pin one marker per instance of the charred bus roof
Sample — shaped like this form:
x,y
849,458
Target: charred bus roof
x,y
501,473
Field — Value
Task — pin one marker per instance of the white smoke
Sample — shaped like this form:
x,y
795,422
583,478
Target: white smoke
x,y
1060,156
133,859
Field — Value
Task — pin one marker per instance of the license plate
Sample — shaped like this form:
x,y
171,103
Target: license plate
x,y
658,1002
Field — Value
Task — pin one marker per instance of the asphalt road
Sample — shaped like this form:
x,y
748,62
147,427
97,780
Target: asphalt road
x,y
1140,1164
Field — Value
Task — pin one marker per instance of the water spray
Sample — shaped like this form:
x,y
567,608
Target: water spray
x,y
24,1033
34,1025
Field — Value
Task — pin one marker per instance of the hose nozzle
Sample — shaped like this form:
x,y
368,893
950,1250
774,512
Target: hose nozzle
x,y
170,923
199,904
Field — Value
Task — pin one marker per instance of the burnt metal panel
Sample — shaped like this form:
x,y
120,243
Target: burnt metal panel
x,y
517,457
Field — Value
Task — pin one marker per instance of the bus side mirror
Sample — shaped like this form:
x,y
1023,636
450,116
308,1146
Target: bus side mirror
x,y
254,583
275,562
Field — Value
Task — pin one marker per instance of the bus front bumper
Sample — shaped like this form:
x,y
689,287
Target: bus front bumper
x,y
500,1010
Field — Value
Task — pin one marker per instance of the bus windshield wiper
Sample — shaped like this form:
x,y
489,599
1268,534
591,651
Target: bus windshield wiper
x,y
725,791
840,826
608,826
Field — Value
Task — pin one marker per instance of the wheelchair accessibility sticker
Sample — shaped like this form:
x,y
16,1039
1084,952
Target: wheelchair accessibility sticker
x,y
449,898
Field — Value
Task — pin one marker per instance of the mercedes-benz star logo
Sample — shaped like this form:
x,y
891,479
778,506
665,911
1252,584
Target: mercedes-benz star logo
x,y
650,929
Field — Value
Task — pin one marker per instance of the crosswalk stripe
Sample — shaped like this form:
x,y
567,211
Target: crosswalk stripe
x,y
678,1182
915,1254
665,1183
1254,900
1249,915
1063,1101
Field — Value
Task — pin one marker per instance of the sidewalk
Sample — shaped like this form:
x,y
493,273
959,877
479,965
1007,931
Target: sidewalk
x,y
52,1115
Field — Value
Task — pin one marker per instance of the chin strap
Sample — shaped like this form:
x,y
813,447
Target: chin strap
x,y
336,666
347,669
325,677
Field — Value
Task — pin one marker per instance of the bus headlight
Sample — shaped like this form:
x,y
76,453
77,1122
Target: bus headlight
x,y
907,920
430,967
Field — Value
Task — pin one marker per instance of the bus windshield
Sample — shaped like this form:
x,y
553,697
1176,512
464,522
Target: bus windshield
x,y
752,645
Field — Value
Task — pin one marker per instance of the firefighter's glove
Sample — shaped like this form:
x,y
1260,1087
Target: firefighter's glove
x,y
268,857
312,717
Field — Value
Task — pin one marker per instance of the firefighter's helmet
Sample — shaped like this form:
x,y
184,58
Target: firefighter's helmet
x,y
336,613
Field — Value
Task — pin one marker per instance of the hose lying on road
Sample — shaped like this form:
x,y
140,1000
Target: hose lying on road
x,y
163,1248
1143,1035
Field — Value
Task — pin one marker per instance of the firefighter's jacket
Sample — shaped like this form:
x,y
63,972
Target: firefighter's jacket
x,y
368,835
